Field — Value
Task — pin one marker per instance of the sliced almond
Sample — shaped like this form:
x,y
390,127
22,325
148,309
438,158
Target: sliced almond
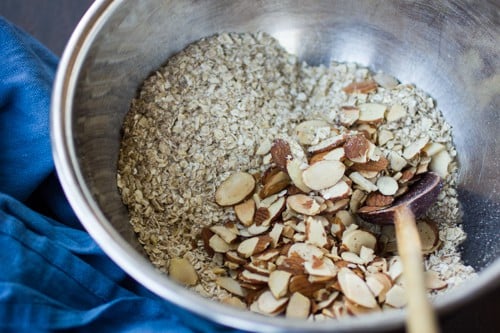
x,y
387,185
269,305
397,163
305,251
301,284
433,281
348,115
336,154
218,244
396,112
253,246
429,235
379,284
345,217
225,233
366,254
249,277
275,210
205,236
376,166
377,199
233,256
327,144
335,206
385,80
307,131
432,148
281,153
364,183
362,87
245,212
254,230
276,183
231,285
352,258
275,233
258,268
303,204
325,302
372,113
234,189
355,239
278,283
415,147
396,297
267,255
295,172
384,136
336,192
395,268
293,264
356,148
440,163
299,306
320,267
234,301
323,174
315,231
355,289
181,270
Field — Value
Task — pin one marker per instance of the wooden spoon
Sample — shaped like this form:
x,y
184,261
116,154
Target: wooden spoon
x,y
402,213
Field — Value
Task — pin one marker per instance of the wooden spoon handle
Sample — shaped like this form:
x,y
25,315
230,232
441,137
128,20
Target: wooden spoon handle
x,y
421,316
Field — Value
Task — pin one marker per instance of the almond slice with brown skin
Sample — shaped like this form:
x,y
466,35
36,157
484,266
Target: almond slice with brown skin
x,y
253,245
233,256
269,305
303,204
396,297
225,233
252,278
377,199
357,148
348,115
432,148
377,166
231,285
364,183
234,189
281,153
362,87
320,267
278,283
276,183
323,174
355,239
335,206
327,144
299,306
315,231
305,251
245,212
218,244
372,113
295,172
355,288
429,235
338,191
181,270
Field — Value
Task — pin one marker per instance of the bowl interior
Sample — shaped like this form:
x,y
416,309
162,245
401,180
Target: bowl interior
x,y
449,49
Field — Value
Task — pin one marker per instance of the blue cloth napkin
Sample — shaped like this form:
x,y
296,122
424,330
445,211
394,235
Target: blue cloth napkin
x,y
53,276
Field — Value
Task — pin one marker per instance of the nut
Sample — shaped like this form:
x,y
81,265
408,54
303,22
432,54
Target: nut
x,y
323,174
348,115
355,289
362,87
303,204
356,149
278,283
387,185
355,239
281,153
377,199
371,113
234,189
181,270
231,285
253,246
440,163
298,307
245,212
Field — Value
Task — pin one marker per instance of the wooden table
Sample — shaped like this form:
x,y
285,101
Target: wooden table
x,y
52,21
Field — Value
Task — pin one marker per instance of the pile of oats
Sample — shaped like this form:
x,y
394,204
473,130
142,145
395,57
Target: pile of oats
x,y
215,109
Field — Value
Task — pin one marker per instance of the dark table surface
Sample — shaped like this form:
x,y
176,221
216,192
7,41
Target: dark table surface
x,y
52,21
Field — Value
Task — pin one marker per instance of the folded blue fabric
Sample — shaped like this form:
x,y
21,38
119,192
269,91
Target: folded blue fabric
x,y
53,276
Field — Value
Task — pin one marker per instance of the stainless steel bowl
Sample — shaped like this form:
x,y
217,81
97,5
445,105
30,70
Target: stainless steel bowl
x,y
448,48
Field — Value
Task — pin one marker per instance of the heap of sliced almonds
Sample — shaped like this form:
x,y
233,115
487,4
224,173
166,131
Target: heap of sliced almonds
x,y
295,246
